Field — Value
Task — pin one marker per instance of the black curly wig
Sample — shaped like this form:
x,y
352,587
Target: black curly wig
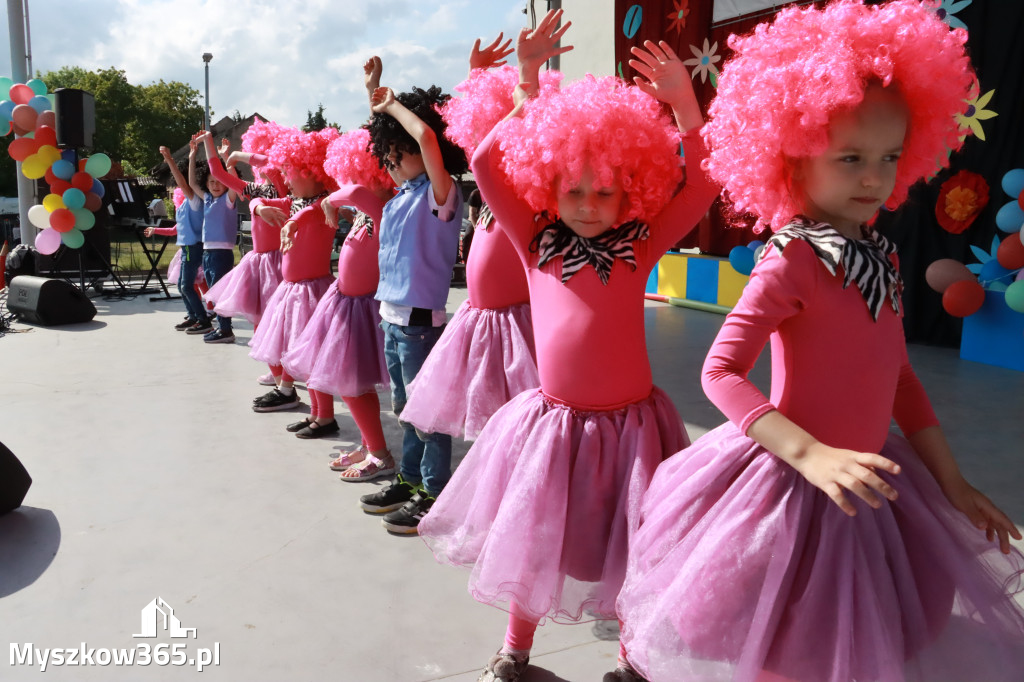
x,y
385,131
202,171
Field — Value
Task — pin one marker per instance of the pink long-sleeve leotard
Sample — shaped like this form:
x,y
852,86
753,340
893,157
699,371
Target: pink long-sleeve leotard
x,y
358,270
591,351
495,277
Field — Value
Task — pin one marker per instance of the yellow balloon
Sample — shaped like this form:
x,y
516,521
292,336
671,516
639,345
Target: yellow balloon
x,y
34,168
52,202
50,153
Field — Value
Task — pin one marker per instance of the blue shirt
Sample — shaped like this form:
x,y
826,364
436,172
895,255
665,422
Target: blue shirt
x,y
220,222
189,221
418,246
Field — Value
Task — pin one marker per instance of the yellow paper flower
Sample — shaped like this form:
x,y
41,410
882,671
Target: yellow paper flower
x,y
976,113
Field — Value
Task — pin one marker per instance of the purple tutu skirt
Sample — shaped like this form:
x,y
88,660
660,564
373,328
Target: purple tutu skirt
x,y
247,288
743,571
174,270
341,350
285,317
483,359
544,503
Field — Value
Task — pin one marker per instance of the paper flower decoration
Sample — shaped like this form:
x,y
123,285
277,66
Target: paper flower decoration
x,y
991,274
976,113
948,8
961,199
679,14
704,63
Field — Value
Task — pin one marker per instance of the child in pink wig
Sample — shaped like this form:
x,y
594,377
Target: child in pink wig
x,y
586,184
802,540
341,350
485,356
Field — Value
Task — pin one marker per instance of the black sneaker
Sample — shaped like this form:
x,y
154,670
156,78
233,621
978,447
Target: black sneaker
x,y
388,499
200,327
185,324
405,520
276,400
219,336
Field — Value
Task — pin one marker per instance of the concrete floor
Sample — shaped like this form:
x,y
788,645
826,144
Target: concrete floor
x,y
153,478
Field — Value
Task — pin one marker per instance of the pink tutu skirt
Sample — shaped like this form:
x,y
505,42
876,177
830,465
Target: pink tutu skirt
x,y
742,566
174,270
285,317
483,359
341,350
247,288
544,503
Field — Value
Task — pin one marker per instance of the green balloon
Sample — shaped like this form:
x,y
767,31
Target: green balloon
x,y
38,86
98,165
1015,296
73,238
5,87
84,218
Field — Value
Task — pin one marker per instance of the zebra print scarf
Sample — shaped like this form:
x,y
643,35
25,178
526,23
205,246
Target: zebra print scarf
x,y
865,261
557,239
484,221
360,220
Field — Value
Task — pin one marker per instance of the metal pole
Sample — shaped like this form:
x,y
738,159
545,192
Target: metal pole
x,y
206,62
19,74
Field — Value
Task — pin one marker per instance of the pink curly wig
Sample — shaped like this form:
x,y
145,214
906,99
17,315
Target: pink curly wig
x,y
778,93
303,154
258,139
486,99
349,162
620,131
178,197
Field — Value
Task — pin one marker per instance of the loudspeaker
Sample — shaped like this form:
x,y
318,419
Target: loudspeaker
x,y
14,481
48,301
75,111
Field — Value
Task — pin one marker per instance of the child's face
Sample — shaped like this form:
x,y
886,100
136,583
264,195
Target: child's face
x,y
302,186
409,167
215,186
847,184
589,209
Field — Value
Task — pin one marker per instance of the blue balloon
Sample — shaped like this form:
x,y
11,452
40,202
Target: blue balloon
x,y
994,276
1010,217
754,244
40,103
1013,182
63,169
742,260
69,155
97,188
7,109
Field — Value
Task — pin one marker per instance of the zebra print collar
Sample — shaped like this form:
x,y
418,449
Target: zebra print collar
x,y
557,239
865,261
362,219
485,221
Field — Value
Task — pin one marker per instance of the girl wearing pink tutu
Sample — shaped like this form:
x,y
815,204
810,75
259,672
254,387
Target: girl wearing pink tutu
x,y
485,356
341,350
306,244
543,505
802,540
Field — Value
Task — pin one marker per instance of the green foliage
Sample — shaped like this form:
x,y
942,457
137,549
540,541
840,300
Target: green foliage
x,y
317,121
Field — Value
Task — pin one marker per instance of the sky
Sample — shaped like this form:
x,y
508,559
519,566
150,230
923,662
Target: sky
x,y
281,58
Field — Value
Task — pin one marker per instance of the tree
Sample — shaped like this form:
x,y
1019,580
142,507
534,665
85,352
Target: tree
x,y
317,121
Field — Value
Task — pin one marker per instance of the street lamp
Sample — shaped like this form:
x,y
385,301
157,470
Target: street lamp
x,y
206,62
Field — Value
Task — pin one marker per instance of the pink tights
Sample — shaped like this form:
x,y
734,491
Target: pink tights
x,y
322,404
365,411
519,635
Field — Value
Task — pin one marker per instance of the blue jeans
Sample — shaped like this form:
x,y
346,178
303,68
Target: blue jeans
x,y
216,264
426,457
191,259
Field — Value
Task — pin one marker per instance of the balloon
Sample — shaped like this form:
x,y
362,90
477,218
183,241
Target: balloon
x,y
19,131
49,152
50,177
46,135
60,187
37,86
1010,217
63,169
82,181
74,198
62,220
1015,296
994,276
24,116
963,298
39,103
758,251
73,239
21,93
944,272
98,189
1013,182
5,84
48,119
84,218
39,216
7,127
754,244
34,167
7,109
742,260
93,202
51,202
98,165
47,241
22,148
1010,253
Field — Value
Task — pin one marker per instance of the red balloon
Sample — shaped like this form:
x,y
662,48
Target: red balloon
x,y
963,298
19,131
82,180
93,201
21,93
24,116
49,176
62,220
1010,253
60,186
46,135
22,148
81,164
47,118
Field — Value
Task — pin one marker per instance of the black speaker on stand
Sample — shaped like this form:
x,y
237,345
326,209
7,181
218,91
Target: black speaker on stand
x,y
48,302
75,112
14,481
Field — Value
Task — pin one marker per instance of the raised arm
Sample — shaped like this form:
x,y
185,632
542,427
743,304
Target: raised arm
x,y
384,102
234,183
534,48
193,181
664,77
492,55
372,70
353,195
179,179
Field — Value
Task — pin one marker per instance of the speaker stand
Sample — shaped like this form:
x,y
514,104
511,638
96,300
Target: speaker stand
x,y
105,268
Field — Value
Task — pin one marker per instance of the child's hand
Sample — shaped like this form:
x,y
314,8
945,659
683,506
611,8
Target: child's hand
x,y
165,152
148,232
982,513
288,236
192,146
662,73
225,147
535,47
371,73
490,56
330,213
834,470
381,99
271,215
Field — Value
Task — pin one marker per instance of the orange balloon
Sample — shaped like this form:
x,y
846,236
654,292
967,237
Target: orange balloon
x,y
963,298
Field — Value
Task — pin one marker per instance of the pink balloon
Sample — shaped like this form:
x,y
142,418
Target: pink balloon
x,y
24,116
47,118
47,241
21,93
944,272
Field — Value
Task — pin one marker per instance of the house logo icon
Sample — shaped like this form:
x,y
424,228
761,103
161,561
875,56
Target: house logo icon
x,y
157,615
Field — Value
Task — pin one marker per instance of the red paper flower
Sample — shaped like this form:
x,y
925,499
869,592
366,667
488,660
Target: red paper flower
x,y
677,18
961,199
